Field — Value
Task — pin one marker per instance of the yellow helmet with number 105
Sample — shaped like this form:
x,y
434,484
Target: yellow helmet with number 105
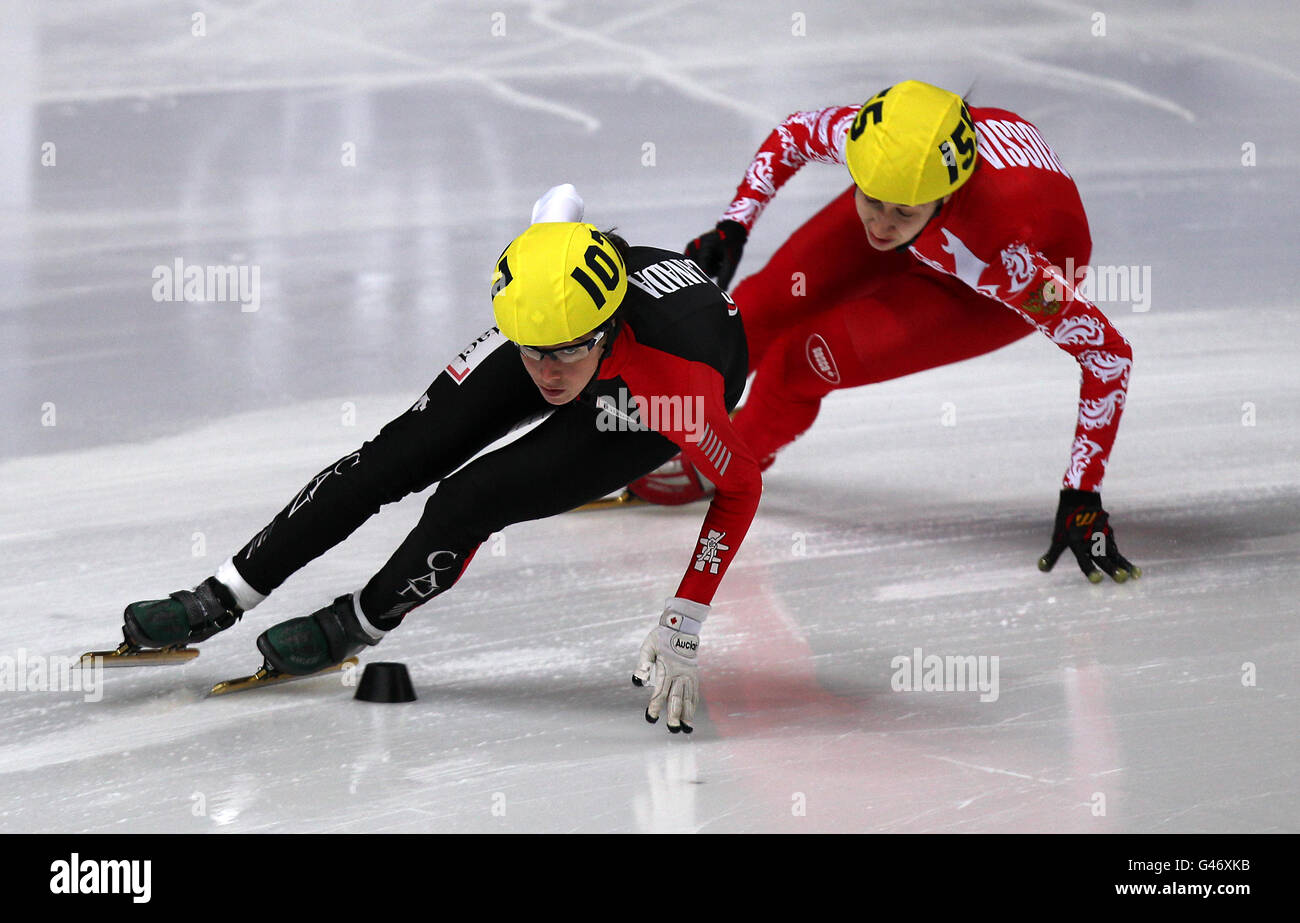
x,y
911,143
556,282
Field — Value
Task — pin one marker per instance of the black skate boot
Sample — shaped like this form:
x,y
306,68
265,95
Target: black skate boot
x,y
184,617
312,643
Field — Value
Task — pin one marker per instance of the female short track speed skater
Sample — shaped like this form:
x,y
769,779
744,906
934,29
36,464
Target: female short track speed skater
x,y
635,355
969,218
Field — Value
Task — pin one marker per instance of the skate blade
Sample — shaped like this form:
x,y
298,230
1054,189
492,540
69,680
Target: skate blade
x,y
127,655
266,677
626,498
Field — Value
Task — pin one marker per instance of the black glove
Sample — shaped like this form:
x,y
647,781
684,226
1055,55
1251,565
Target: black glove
x,y
1082,524
718,251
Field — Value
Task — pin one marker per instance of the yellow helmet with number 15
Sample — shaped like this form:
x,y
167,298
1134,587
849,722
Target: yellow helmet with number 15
x,y
911,143
556,282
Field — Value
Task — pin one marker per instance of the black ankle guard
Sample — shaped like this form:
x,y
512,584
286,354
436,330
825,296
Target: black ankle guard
x,y
343,632
209,607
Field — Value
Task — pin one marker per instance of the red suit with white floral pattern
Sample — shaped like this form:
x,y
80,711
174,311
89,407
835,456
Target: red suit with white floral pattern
x,y
828,311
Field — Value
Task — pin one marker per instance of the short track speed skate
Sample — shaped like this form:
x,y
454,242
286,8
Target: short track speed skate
x,y
326,641
159,631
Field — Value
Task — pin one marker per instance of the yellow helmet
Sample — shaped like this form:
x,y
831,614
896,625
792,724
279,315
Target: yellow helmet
x,y
555,282
911,143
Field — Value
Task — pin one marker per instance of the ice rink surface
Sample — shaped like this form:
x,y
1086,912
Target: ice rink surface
x,y
145,441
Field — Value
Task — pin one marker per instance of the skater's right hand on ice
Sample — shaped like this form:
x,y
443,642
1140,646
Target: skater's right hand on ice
x,y
717,252
1084,527
667,662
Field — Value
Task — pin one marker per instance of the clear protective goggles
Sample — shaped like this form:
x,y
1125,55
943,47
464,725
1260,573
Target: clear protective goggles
x,y
566,354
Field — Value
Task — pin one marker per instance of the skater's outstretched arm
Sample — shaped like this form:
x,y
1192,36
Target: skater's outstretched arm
x,y
816,135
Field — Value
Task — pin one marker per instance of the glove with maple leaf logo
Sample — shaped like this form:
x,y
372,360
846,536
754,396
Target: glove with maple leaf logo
x,y
667,662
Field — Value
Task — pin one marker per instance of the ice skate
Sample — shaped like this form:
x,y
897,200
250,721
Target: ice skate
x,y
323,642
673,483
159,631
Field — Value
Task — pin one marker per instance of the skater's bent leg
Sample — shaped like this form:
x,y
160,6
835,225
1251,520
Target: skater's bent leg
x,y
922,321
478,399
799,369
563,463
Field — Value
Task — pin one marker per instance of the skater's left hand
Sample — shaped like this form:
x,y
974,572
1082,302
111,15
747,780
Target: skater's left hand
x,y
718,251
667,662
1083,526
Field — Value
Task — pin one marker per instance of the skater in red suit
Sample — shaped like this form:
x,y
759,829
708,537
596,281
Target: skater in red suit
x,y
952,242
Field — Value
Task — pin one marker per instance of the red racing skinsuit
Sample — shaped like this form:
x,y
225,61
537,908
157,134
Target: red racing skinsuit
x,y
828,311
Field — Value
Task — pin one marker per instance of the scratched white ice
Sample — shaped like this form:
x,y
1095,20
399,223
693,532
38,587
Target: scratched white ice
x,y
372,159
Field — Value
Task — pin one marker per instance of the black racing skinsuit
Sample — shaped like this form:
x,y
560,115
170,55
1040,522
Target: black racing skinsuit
x,y
481,396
